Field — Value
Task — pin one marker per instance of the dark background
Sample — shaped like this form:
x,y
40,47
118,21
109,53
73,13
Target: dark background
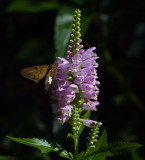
x,y
34,32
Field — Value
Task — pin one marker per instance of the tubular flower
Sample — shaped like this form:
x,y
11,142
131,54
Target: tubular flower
x,y
90,123
76,78
82,70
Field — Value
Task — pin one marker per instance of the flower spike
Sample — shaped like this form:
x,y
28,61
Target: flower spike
x,y
75,89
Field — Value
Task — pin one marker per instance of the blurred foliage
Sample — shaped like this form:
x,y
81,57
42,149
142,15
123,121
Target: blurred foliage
x,y
30,6
34,32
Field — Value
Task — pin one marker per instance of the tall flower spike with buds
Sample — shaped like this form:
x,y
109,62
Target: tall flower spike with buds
x,y
75,89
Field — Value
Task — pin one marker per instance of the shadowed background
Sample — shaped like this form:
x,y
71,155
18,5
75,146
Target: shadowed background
x,y
34,32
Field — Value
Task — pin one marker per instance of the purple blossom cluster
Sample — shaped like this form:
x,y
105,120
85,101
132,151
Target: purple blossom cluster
x,y
77,75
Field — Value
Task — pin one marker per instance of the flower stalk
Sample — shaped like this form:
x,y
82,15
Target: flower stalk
x,y
75,121
76,148
75,89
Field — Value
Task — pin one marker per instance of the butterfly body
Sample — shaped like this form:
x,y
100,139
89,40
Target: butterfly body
x,y
36,73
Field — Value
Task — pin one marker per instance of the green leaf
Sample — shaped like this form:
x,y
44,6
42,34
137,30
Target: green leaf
x,y
81,126
42,145
71,155
135,155
30,7
96,157
114,149
63,27
102,149
70,135
85,22
102,140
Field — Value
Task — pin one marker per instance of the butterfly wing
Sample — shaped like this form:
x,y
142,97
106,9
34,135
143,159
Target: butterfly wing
x,y
51,76
35,73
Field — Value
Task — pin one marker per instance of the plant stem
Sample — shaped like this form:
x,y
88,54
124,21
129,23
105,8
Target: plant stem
x,y
75,120
76,148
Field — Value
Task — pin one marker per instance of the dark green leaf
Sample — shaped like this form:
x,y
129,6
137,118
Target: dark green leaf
x,y
63,27
81,126
29,6
83,156
116,148
85,22
42,145
70,135
71,155
102,140
135,155
98,157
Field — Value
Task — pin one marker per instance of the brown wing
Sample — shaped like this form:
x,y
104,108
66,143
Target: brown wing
x,y
35,73
51,76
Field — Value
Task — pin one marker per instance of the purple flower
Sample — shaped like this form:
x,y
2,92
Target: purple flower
x,y
65,112
90,123
69,52
90,95
69,98
73,88
90,70
77,58
81,68
90,105
63,64
86,87
91,79
80,76
75,67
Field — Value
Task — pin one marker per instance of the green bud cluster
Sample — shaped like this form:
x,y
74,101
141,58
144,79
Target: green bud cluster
x,y
93,135
75,120
75,36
